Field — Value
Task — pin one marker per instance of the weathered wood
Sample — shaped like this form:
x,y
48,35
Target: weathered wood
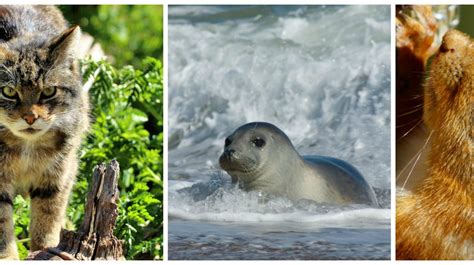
x,y
95,239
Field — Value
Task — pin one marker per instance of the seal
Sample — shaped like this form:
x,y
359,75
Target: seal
x,y
261,157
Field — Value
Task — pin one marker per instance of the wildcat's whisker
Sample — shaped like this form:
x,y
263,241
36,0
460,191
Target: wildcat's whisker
x,y
4,69
67,111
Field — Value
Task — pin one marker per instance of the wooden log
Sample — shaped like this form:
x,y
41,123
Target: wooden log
x,y
95,239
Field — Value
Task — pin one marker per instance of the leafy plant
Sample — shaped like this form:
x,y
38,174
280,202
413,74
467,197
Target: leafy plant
x,y
21,219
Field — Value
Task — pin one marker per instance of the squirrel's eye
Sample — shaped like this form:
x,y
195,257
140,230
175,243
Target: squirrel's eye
x,y
258,142
9,92
49,92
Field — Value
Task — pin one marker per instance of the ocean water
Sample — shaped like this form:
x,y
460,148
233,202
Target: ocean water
x,y
322,75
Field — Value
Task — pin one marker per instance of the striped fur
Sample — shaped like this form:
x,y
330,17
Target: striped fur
x,y
40,131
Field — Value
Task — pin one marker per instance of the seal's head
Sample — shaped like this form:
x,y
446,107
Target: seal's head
x,y
252,151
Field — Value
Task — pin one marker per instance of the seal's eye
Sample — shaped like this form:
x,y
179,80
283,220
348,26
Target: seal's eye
x,y
258,142
227,142
9,92
49,92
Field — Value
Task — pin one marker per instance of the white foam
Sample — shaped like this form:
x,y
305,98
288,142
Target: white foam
x,y
193,10
231,204
361,218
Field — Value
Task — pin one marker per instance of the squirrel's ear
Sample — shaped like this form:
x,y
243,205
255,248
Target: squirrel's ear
x,y
63,47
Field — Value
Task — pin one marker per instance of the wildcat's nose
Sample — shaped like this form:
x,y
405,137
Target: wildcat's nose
x,y
30,118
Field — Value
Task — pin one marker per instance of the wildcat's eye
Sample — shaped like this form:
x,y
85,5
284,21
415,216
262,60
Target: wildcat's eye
x,y
9,92
258,142
49,92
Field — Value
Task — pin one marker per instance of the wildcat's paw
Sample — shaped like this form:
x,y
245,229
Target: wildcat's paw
x,y
10,253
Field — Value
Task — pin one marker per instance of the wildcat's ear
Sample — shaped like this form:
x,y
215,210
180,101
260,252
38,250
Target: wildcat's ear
x,y
63,47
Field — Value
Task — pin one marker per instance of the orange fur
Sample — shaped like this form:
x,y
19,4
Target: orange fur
x,y
436,221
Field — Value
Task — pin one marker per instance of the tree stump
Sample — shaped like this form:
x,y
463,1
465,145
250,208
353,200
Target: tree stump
x,y
95,239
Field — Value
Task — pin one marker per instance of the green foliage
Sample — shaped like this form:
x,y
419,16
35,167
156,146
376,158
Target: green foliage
x,y
128,112
22,220
126,32
128,122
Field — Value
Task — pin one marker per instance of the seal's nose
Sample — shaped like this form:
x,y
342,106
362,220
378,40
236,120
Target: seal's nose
x,y
225,160
228,152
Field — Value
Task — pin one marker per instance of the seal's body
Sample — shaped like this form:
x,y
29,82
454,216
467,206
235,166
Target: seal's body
x,y
262,157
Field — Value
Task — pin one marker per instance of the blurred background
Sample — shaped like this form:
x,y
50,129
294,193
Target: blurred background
x,y
126,33
467,19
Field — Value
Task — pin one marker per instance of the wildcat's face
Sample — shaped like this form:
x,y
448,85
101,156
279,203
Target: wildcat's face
x,y
39,88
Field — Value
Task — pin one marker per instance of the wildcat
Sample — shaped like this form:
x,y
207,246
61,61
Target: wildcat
x,y
436,220
43,116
